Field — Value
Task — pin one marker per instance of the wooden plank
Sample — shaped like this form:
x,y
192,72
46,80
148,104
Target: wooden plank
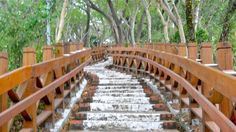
x,y
169,87
57,102
185,100
212,126
3,97
66,92
29,58
72,86
197,112
14,78
27,130
44,67
176,93
15,99
43,116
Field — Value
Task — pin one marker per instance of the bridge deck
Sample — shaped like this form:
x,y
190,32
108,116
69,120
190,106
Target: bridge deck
x,y
121,104
34,96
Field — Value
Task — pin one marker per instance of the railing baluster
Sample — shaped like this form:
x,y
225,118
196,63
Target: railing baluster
x,y
3,97
48,78
225,62
29,58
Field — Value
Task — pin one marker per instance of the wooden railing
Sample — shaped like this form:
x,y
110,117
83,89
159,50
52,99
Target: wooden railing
x,y
49,84
208,92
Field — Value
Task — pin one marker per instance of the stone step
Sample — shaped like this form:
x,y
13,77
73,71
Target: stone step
x,y
122,107
121,94
121,83
119,87
166,130
122,125
119,91
118,77
118,100
113,75
125,116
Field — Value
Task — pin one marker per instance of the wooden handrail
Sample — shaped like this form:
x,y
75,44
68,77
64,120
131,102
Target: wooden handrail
x,y
224,123
20,75
164,62
25,103
220,81
46,81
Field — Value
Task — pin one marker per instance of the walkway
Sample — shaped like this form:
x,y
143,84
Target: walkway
x,y
121,103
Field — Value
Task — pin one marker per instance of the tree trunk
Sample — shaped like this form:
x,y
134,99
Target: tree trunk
x,y
166,32
86,37
140,27
48,31
196,15
62,20
116,20
181,32
146,8
133,19
108,18
165,24
180,25
176,19
226,25
189,19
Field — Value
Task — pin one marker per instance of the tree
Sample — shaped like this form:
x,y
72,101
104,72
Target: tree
x,y
116,20
61,22
165,24
147,13
174,16
48,32
226,24
140,26
189,19
108,18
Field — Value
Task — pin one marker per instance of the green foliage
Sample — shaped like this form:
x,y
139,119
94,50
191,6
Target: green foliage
x,y
202,35
175,38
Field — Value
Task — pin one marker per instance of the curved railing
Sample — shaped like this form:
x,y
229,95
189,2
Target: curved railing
x,y
200,88
49,82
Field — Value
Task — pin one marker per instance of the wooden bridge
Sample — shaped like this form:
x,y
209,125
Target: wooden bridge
x,y
37,91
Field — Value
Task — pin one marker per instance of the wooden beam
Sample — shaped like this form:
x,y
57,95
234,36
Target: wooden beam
x,y
29,58
3,97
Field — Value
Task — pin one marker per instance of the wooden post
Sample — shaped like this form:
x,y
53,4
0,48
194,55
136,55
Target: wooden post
x,y
81,46
174,49
59,50
73,47
192,51
47,53
225,62
206,53
182,50
206,57
29,58
168,48
3,97
48,78
66,48
224,56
